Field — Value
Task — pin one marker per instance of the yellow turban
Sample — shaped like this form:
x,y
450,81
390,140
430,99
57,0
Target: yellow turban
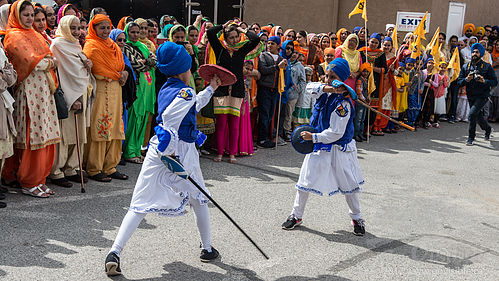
x,y
479,29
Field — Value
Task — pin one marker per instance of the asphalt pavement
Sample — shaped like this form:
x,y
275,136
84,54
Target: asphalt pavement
x,y
431,206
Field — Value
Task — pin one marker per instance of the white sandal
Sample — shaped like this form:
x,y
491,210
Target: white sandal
x,y
40,193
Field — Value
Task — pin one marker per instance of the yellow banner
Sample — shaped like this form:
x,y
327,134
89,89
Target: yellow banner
x,y
421,28
455,64
395,40
360,8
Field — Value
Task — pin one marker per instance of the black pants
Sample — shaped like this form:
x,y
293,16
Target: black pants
x,y
476,116
267,99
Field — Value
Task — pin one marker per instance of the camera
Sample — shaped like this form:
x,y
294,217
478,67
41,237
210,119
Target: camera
x,y
475,74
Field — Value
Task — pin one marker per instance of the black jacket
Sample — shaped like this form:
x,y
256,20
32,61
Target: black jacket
x,y
234,64
269,70
475,89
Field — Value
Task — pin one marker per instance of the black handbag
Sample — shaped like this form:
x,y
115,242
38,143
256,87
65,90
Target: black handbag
x,y
60,101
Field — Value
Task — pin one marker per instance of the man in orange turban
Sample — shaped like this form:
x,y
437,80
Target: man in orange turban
x,y
468,29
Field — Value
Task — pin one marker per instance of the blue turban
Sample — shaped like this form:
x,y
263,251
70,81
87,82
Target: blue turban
x,y
479,47
388,38
173,59
340,67
410,60
376,35
401,64
357,29
275,39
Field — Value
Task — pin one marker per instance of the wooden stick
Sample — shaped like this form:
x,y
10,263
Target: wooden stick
x,y
79,156
386,116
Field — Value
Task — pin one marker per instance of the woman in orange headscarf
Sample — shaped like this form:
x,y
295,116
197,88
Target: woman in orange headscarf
x,y
103,150
123,21
35,113
342,35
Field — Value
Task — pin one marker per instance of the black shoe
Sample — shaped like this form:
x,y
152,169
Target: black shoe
x,y
62,182
76,178
358,227
266,144
487,133
469,142
112,264
358,139
291,222
287,137
3,205
209,256
2,196
117,175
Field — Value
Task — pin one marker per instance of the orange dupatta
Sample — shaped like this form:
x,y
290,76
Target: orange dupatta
x,y
25,47
122,23
338,41
105,55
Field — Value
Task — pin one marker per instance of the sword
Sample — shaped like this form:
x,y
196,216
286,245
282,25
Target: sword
x,y
178,169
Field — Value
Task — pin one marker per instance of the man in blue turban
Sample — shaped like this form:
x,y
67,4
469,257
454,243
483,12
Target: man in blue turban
x,y
478,77
333,166
157,189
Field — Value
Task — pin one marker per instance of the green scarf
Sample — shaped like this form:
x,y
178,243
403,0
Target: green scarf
x,y
141,46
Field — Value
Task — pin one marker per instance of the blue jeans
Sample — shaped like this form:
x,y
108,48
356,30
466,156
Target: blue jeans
x,y
358,119
267,99
476,116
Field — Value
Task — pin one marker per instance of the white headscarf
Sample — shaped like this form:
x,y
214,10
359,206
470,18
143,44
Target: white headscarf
x,y
74,77
4,16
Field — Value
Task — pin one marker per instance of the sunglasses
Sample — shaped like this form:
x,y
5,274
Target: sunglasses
x,y
120,40
289,48
279,33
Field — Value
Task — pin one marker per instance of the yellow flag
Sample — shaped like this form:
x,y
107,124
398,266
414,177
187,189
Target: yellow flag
x,y
395,40
371,86
434,39
455,64
360,8
435,50
421,28
416,48
281,83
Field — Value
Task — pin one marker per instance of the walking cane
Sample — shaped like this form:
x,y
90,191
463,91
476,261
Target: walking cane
x,y
278,117
176,167
79,156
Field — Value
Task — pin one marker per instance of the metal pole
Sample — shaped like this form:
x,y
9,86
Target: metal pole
x,y
215,12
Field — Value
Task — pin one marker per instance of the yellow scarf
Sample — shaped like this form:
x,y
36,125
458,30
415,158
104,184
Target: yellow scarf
x,y
352,56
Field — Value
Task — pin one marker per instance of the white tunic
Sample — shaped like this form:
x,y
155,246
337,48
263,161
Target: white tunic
x,y
157,189
338,170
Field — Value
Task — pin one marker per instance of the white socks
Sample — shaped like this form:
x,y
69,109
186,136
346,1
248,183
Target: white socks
x,y
132,220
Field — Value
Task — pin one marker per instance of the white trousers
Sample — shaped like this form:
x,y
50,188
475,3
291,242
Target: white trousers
x,y
351,198
132,220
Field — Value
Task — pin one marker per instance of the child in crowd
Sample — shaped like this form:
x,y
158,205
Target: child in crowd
x,y
416,80
360,110
441,93
463,107
305,103
402,81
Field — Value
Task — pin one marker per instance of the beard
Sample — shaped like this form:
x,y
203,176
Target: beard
x,y
475,59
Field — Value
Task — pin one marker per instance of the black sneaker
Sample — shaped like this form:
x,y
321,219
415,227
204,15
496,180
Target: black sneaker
x,y
291,222
487,133
266,144
358,227
112,264
469,142
209,256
